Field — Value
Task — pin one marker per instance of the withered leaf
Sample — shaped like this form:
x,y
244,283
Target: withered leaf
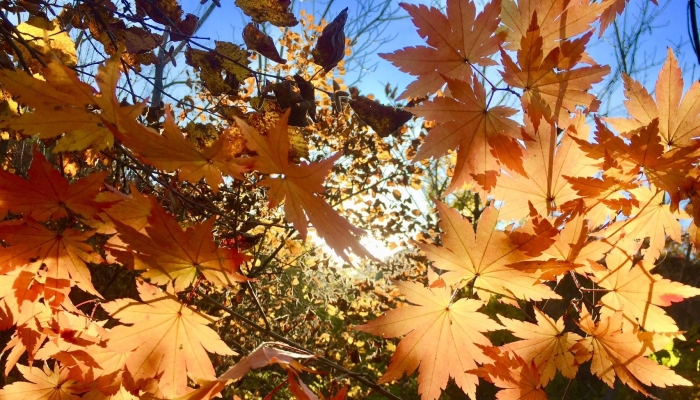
x,y
185,28
308,93
256,40
330,47
385,120
274,11
286,97
166,12
221,70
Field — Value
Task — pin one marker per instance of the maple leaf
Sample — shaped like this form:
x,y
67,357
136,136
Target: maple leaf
x,y
131,210
63,104
168,340
571,250
545,344
549,159
606,196
170,253
482,260
663,168
558,20
47,194
64,255
483,134
618,353
300,188
677,114
553,86
651,218
442,337
637,294
172,152
518,379
72,337
20,291
44,384
457,41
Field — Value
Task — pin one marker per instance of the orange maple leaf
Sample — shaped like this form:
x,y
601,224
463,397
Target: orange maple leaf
x,y
132,210
571,250
442,337
606,196
47,194
545,344
169,253
168,340
558,20
457,41
549,159
172,152
518,378
269,353
44,384
679,116
483,134
64,104
482,259
300,187
64,255
650,218
637,294
664,167
20,291
615,352
553,83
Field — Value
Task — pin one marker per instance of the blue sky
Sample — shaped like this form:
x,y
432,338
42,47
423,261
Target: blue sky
x,y
669,29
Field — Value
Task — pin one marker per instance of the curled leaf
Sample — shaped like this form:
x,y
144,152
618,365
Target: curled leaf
x,y
385,120
256,40
330,47
286,97
308,93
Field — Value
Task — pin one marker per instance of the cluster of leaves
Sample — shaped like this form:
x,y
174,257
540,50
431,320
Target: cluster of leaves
x,y
204,226
597,212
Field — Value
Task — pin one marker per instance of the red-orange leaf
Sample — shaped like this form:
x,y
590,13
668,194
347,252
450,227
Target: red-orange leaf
x,y
679,116
47,194
553,85
170,253
172,152
545,344
64,255
518,379
485,135
549,159
638,294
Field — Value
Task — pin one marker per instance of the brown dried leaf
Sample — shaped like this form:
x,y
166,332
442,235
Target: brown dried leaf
x,y
274,11
330,47
385,120
256,40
